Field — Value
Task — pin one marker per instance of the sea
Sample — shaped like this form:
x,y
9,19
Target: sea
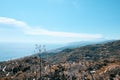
x,y
10,51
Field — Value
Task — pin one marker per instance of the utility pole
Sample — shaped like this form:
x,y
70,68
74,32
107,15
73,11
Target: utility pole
x,y
40,49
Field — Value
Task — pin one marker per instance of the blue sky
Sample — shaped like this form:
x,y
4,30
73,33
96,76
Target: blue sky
x,y
59,21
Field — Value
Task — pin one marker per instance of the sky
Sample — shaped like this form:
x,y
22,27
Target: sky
x,y
59,21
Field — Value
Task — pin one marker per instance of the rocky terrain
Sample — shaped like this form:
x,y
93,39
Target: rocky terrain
x,y
91,62
21,69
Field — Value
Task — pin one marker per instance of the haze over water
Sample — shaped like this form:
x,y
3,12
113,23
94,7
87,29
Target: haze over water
x,y
17,50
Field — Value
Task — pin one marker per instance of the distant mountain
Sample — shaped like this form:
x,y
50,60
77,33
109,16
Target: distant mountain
x,y
92,52
83,43
71,45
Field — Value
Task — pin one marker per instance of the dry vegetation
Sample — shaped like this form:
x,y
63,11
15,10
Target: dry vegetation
x,y
92,62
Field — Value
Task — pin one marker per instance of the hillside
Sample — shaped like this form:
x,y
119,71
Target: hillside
x,y
91,62
94,52
71,45
21,69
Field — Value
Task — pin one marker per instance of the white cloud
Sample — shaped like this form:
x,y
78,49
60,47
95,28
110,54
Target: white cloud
x,y
63,34
14,22
39,31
